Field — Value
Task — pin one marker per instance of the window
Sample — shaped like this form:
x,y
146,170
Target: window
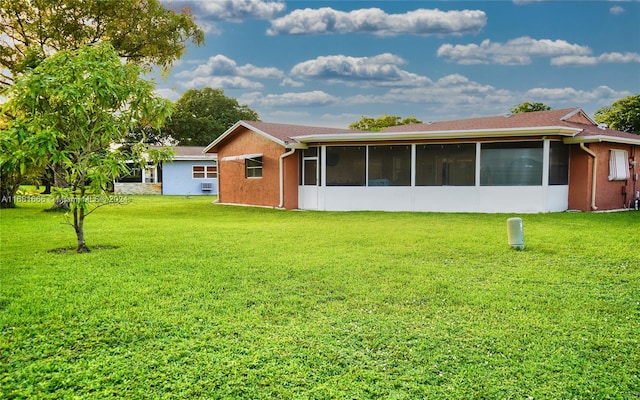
x,y
618,165
511,164
558,164
446,164
389,165
309,173
204,171
346,166
253,167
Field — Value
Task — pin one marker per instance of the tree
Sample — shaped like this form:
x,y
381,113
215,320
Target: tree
x,y
382,122
529,107
622,115
88,100
201,115
143,32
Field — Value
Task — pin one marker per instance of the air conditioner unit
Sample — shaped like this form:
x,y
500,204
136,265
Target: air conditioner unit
x,y
206,186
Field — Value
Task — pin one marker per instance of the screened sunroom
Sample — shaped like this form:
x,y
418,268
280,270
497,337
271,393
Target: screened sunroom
x,y
479,176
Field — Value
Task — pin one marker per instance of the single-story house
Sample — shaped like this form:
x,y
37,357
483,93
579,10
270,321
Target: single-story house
x,y
190,172
545,161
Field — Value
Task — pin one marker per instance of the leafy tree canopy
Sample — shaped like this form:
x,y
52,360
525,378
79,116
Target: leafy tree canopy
x,y
622,115
70,111
382,122
529,107
201,115
142,31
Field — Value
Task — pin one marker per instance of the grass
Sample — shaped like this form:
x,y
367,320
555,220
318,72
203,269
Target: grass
x,y
186,299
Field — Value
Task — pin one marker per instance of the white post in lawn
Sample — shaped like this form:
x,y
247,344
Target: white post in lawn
x,y
515,233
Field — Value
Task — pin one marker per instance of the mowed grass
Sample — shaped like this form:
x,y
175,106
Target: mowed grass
x,y
187,299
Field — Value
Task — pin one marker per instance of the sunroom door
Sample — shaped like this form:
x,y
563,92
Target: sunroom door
x,y
310,178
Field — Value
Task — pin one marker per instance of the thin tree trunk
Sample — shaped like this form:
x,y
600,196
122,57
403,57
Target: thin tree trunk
x,y
60,181
78,224
9,186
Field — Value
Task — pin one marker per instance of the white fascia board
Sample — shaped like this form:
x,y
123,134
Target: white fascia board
x,y
196,158
602,138
457,134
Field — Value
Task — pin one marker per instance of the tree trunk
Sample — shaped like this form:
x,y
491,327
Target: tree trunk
x,y
9,185
60,181
78,224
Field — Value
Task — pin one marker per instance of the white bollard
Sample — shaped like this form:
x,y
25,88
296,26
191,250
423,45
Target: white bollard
x,y
515,233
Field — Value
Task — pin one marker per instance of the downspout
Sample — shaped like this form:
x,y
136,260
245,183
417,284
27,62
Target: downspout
x,y
594,177
282,157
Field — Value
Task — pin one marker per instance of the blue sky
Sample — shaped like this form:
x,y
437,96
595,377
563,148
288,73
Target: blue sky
x,y
328,63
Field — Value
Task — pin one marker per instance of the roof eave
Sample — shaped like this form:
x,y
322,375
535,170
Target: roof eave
x,y
450,134
602,138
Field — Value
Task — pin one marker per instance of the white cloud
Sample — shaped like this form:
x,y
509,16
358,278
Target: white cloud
x,y
302,99
618,58
519,51
452,93
167,94
237,10
223,72
616,10
568,95
380,70
290,82
222,82
220,65
375,21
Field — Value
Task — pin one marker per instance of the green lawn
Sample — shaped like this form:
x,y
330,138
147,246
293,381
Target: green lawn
x,y
182,298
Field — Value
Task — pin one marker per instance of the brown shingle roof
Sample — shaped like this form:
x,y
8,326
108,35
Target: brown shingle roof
x,y
521,120
285,132
574,118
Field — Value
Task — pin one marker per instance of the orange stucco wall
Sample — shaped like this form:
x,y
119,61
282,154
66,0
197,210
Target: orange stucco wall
x,y
235,188
609,194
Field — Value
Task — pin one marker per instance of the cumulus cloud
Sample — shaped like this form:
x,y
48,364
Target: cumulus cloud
x,y
601,94
616,10
455,93
301,99
221,71
618,58
380,70
375,21
170,94
222,82
519,51
237,10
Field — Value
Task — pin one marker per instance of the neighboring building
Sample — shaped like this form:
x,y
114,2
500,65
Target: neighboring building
x,y
527,163
191,172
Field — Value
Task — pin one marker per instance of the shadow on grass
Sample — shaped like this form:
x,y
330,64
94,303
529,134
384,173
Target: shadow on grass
x,y
73,249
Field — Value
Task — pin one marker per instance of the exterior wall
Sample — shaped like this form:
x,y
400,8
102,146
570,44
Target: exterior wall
x,y
486,199
137,188
580,179
236,188
610,195
291,181
177,178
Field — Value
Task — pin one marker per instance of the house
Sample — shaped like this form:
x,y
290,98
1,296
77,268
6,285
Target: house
x,y
191,172
545,161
